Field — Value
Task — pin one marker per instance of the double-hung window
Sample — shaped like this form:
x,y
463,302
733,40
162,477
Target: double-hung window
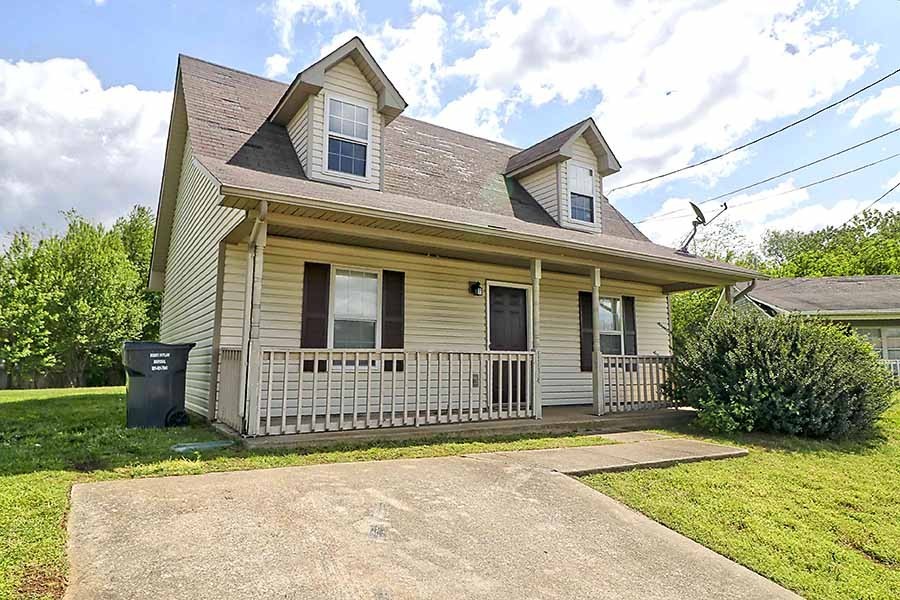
x,y
348,137
581,193
355,309
611,326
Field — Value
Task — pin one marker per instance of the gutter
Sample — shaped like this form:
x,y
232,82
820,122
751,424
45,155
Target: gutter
x,y
500,232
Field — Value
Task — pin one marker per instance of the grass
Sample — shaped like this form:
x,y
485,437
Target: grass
x,y
51,439
820,518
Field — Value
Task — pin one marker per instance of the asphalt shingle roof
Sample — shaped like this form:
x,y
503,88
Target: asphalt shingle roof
x,y
847,294
429,170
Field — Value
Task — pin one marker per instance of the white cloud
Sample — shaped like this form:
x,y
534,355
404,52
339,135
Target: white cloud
x,y
68,142
286,13
675,80
886,104
277,65
425,5
412,57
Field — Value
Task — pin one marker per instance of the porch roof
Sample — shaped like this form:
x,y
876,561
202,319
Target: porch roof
x,y
303,208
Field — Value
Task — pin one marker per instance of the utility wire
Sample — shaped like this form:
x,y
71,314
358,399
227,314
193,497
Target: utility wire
x,y
871,204
759,139
681,211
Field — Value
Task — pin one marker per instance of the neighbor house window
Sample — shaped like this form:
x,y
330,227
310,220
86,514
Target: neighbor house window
x,y
611,325
885,340
581,193
355,309
348,137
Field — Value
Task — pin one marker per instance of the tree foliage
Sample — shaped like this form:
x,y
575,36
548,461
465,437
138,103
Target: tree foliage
x,y
67,302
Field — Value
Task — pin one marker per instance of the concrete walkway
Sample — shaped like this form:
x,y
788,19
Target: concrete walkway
x,y
462,527
649,451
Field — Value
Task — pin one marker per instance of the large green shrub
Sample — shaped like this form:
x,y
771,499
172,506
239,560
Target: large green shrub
x,y
745,372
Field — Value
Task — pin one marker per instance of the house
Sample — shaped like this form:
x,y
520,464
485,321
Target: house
x,y
870,304
340,265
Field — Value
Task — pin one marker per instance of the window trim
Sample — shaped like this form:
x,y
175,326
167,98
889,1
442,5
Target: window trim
x,y
378,316
569,192
328,96
621,331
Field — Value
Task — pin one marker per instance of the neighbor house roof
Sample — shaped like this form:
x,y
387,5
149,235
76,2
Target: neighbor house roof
x,y
430,172
830,295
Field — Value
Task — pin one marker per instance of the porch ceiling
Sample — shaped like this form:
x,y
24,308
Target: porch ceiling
x,y
304,222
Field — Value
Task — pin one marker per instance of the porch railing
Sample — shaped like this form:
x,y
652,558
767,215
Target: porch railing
x,y
893,365
634,382
306,391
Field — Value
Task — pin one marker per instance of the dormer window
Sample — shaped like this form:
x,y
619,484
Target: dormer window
x,y
348,137
581,193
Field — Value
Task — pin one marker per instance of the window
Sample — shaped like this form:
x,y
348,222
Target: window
x,y
348,137
355,309
611,325
581,193
885,340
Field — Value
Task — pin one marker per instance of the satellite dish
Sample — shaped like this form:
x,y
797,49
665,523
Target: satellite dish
x,y
697,222
701,220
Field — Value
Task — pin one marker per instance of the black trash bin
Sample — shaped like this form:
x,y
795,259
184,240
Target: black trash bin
x,y
155,383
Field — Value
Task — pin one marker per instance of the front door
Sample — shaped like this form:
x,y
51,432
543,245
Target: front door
x,y
508,332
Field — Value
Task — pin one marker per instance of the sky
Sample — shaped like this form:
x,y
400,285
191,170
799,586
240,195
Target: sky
x,y
86,91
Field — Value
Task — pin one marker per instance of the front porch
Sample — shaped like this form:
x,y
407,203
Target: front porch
x,y
459,333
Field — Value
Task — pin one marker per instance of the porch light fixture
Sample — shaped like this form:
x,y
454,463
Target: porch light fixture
x,y
475,288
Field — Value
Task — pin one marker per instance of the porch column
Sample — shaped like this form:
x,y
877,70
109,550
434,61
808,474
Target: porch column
x,y
536,336
597,357
252,312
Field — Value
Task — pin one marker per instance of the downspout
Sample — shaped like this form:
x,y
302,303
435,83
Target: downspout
x,y
249,289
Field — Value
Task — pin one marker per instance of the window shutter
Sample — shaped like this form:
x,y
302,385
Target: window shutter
x,y
392,309
586,328
629,325
314,320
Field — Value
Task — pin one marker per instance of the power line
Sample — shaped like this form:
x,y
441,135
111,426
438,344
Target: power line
x,y
769,197
871,204
759,139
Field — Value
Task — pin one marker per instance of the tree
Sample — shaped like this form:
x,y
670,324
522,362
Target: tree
x,y
96,302
136,233
25,314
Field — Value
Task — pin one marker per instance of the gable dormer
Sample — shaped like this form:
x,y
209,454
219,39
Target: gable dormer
x,y
565,172
335,112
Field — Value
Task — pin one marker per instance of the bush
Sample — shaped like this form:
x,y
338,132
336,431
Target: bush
x,y
746,372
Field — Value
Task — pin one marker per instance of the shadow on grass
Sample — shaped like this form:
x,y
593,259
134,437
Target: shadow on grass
x,y
85,432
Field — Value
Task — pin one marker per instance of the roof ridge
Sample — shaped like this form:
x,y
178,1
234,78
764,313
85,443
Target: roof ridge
x,y
220,66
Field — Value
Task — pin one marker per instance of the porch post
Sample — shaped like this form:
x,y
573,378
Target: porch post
x,y
536,336
596,357
253,301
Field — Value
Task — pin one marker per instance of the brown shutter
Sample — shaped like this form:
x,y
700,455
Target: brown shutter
x,y
392,309
314,317
629,325
586,328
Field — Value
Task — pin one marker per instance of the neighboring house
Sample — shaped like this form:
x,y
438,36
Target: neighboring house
x,y
340,265
870,304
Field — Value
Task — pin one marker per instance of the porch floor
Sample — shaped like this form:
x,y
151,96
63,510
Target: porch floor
x,y
556,420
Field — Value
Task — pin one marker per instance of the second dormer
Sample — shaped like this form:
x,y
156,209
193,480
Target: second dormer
x,y
565,172
335,112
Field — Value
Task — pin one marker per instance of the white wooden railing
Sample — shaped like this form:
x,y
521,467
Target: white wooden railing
x,y
306,391
633,382
893,365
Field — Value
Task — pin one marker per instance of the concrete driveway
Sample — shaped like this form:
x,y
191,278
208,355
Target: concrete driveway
x,y
462,527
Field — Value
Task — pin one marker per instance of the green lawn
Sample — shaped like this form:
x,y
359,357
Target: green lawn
x,y
820,518
50,439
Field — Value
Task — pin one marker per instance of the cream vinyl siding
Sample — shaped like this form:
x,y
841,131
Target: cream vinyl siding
x,y
441,314
582,154
189,297
542,185
298,131
347,82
